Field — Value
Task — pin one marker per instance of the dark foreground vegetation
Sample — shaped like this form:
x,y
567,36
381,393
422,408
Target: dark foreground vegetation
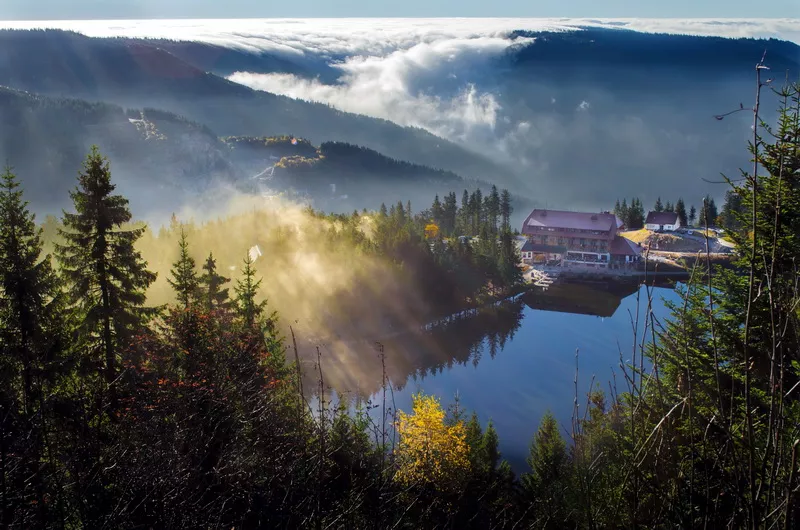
x,y
113,414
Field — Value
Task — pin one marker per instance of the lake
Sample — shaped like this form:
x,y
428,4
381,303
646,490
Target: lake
x,y
511,363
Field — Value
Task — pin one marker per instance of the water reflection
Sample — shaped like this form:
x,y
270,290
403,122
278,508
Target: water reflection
x,y
509,363
357,367
596,299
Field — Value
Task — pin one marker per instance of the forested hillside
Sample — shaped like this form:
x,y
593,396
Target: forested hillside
x,y
159,156
165,162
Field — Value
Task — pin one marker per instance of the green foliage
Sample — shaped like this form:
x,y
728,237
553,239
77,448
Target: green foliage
x,y
249,310
547,485
632,216
212,295
30,295
184,276
708,212
733,215
105,275
32,359
680,209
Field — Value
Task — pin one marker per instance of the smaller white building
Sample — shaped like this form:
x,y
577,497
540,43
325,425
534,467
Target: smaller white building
x,y
663,221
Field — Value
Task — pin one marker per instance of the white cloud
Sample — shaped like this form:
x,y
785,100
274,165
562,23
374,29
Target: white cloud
x,y
430,73
417,86
382,36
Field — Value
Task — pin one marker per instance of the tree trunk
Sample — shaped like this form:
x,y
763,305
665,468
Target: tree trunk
x,y
108,345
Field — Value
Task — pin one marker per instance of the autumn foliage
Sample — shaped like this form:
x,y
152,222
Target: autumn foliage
x,y
430,451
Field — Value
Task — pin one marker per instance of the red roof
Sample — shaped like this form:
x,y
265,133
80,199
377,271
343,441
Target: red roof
x,y
572,220
624,247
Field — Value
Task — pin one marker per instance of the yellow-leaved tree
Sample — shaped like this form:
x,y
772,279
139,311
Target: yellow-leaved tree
x,y
430,451
431,230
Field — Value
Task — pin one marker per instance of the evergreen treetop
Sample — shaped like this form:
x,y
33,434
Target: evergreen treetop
x,y
183,274
211,282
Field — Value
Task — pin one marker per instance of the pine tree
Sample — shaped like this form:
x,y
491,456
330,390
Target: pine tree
x,y
399,214
184,276
383,213
464,218
625,214
712,212
437,212
680,209
509,259
732,211
669,207
659,207
490,444
212,294
246,288
450,213
692,215
105,274
29,290
30,343
546,485
708,213
493,208
506,209
635,214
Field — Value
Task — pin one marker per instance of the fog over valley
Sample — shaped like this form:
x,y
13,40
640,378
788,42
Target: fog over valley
x,y
565,113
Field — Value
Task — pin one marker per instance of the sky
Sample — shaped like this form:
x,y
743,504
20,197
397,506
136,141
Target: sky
x,y
142,9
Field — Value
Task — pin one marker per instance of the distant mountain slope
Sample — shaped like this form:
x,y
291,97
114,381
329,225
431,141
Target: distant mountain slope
x,y
339,176
156,156
593,50
137,73
224,61
163,161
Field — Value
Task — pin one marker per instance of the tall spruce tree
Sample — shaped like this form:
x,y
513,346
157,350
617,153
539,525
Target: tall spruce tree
x,y
450,212
30,354
105,275
635,214
733,211
680,209
246,288
29,292
213,295
463,214
692,215
506,209
659,206
625,213
708,212
437,212
183,274
492,208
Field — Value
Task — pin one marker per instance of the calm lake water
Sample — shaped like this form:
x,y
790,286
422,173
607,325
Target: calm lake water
x,y
513,364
